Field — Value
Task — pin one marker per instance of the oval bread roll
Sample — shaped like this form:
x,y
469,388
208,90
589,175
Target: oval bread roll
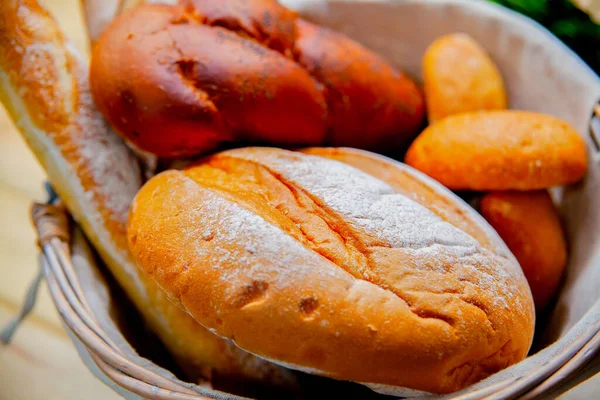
x,y
530,225
319,266
44,85
182,80
500,150
460,77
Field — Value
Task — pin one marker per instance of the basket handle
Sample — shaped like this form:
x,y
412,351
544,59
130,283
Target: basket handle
x,y
50,221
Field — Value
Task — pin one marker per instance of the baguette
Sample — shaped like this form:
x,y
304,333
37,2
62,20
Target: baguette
x,y
44,85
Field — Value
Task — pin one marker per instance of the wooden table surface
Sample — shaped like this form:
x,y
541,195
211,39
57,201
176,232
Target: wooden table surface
x,y
41,362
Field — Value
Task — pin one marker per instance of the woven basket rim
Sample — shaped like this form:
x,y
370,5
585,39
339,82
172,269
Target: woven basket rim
x,y
53,237
51,222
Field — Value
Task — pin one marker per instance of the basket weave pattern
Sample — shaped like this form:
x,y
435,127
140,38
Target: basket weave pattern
x,y
52,224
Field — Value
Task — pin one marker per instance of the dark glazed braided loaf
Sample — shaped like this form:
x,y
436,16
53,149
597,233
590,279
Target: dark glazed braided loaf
x,y
180,80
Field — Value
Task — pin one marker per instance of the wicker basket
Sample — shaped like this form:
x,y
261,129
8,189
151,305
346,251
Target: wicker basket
x,y
51,222
563,364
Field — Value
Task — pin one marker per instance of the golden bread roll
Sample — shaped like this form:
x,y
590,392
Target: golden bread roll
x,y
500,150
321,267
44,86
182,80
460,77
530,225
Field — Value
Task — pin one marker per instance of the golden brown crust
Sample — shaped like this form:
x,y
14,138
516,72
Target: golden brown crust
x,y
500,150
44,86
45,89
370,104
460,77
179,81
530,225
186,102
265,21
318,266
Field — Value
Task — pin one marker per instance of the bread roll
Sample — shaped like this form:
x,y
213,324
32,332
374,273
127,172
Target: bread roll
x,y
321,267
44,86
500,150
181,80
530,225
460,77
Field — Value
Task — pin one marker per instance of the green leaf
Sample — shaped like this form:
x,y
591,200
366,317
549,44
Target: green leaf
x,y
574,27
566,21
532,8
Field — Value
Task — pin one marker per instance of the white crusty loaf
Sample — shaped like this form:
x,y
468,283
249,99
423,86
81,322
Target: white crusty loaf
x,y
360,270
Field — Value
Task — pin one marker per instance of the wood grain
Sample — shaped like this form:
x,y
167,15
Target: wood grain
x,y
42,363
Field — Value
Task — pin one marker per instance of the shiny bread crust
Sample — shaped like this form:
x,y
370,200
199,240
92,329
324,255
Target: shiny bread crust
x,y
44,85
182,80
530,225
459,77
500,150
319,266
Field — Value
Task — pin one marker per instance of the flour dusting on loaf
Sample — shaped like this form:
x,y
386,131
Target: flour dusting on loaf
x,y
398,221
367,202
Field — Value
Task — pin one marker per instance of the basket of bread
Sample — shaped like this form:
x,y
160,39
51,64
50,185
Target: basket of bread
x,y
314,199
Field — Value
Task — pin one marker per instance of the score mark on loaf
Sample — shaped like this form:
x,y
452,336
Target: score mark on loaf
x,y
317,265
